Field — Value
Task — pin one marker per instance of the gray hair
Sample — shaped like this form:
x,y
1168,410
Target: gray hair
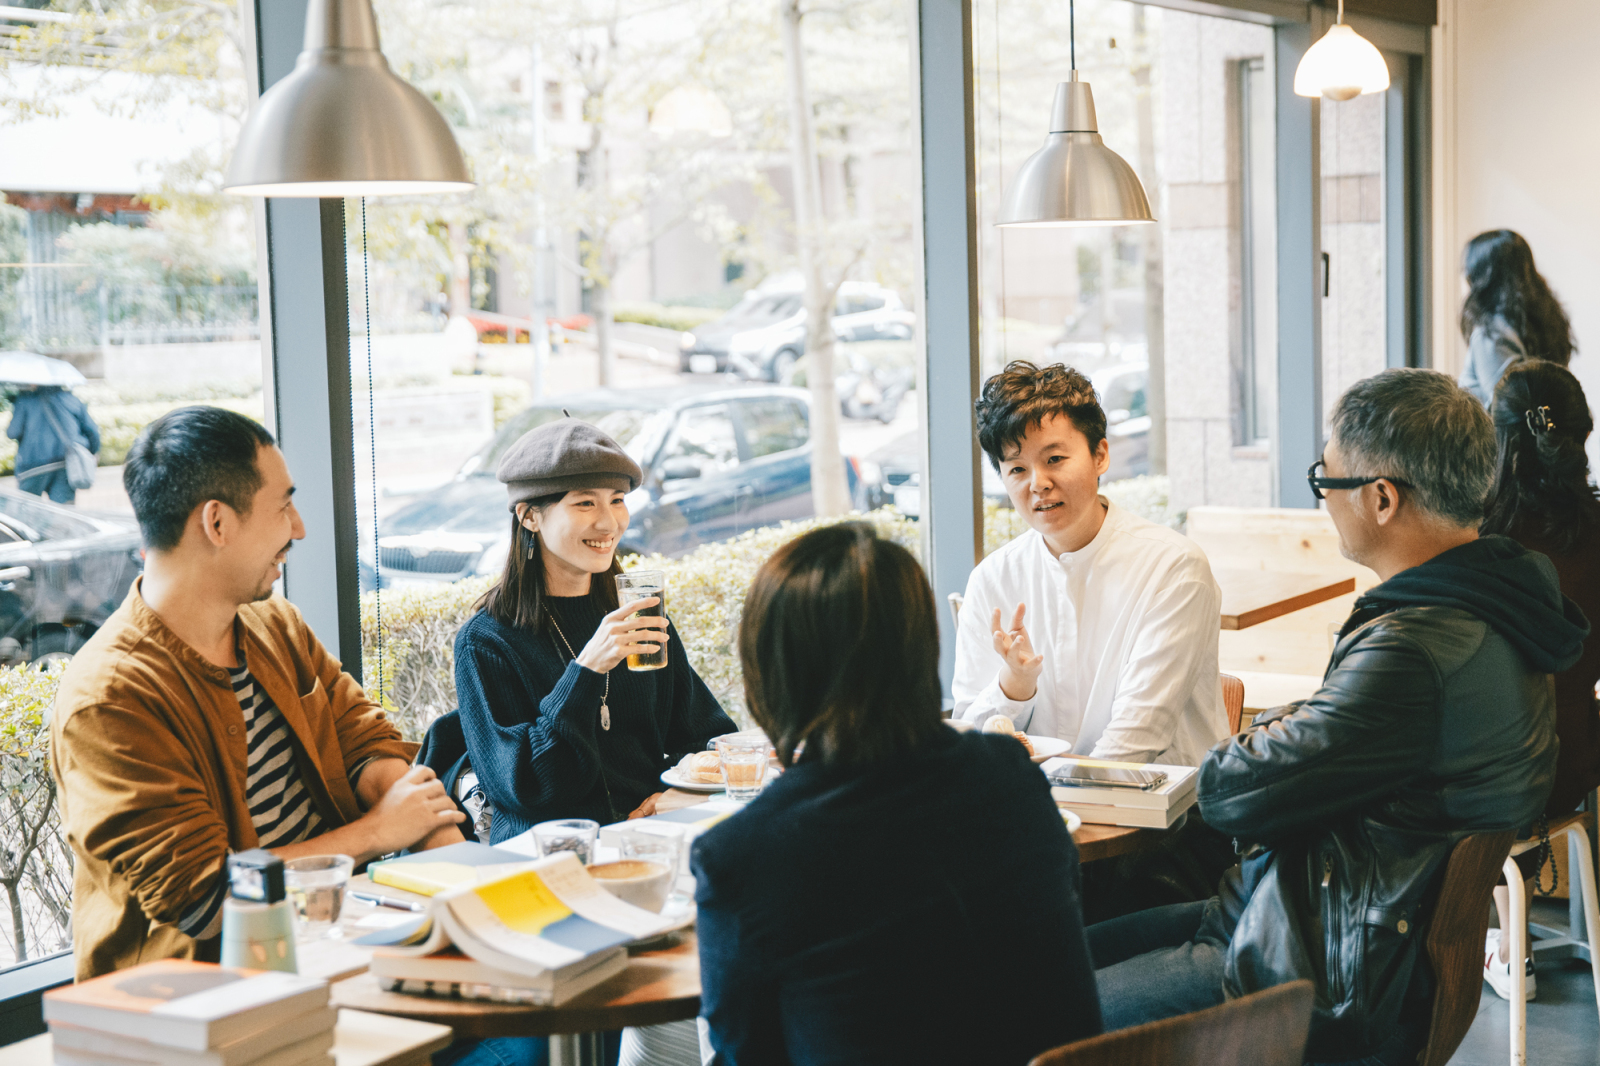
x,y
1421,427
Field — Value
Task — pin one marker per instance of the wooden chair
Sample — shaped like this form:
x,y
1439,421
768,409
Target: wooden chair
x,y
1263,1029
1454,944
1233,701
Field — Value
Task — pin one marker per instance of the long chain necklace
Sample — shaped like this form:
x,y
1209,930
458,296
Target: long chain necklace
x,y
605,711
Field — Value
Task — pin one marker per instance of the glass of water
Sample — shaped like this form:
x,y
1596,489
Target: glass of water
x,y
576,835
744,764
643,585
315,887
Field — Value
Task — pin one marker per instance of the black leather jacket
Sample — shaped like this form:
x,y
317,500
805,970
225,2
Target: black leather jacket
x,y
1430,726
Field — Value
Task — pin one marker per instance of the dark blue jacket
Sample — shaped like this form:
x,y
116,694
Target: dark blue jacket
x,y
531,717
926,911
38,442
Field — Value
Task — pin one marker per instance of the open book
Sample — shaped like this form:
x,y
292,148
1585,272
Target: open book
x,y
539,917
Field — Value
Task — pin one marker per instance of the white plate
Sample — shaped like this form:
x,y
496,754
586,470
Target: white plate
x,y
671,778
1048,747
1074,823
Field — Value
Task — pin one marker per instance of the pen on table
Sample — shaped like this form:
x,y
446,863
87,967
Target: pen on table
x,y
385,901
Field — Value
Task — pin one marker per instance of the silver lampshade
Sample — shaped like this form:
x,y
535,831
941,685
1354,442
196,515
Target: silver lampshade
x,y
1075,180
342,123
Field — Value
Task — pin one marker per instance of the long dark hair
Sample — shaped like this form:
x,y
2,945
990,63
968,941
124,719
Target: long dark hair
x,y
518,600
840,647
1502,280
1541,420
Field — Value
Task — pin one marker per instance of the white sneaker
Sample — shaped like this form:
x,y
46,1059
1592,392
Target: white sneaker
x,y
1498,973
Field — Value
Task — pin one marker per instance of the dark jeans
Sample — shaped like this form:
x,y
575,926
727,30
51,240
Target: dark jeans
x,y
1168,961
501,1051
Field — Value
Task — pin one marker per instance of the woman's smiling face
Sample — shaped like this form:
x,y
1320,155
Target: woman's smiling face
x,y
578,536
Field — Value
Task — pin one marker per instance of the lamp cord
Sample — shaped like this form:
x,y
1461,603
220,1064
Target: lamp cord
x,y
372,443
1340,18
1072,30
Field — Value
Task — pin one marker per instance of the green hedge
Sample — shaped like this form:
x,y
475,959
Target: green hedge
x,y
682,319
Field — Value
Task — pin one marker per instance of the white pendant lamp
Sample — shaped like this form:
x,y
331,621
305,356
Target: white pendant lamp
x,y
342,124
1075,180
1341,66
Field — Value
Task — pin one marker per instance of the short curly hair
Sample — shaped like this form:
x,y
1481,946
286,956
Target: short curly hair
x,y
1022,396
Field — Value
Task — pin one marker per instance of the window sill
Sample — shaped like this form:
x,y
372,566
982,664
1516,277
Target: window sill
x,y
21,990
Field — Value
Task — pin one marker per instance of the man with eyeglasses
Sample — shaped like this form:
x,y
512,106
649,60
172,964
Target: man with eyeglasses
x,y
1435,721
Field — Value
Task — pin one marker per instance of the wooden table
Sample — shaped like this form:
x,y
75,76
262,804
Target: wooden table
x,y
1250,597
658,986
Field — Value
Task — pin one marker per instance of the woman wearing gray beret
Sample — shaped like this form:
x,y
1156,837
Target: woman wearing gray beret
x,y
556,724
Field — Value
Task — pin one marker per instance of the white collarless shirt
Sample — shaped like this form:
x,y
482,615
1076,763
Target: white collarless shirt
x,y
1128,629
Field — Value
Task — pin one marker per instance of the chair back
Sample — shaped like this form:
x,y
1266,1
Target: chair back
x,y
1233,701
1265,1028
444,751
1454,944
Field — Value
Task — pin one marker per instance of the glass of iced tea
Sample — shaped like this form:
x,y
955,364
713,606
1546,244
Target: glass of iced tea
x,y
643,585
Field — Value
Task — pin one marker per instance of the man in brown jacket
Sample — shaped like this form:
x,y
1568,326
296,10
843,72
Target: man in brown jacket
x,y
205,717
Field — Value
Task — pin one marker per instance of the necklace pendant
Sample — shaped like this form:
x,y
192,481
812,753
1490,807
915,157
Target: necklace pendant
x,y
605,717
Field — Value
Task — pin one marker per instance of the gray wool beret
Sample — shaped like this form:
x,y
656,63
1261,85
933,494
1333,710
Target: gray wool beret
x,y
562,456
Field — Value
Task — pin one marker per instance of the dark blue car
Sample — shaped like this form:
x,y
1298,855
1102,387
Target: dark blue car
x,y
715,463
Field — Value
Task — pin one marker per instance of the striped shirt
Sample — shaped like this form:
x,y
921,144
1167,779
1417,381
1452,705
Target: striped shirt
x,y
281,808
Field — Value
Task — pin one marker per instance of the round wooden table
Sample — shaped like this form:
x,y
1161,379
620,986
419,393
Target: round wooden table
x,y
657,986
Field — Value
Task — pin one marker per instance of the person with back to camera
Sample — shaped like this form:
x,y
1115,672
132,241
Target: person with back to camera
x,y
1509,314
556,724
45,419
1435,721
899,874
1543,499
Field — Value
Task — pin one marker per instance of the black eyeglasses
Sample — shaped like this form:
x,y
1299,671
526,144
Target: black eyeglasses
x,y
1318,483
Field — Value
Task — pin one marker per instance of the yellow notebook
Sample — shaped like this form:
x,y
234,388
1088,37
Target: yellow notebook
x,y
429,872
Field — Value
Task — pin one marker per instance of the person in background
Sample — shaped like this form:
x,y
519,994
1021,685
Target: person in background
x,y
903,893
1509,314
205,717
1543,499
1095,626
556,724
44,419
1435,721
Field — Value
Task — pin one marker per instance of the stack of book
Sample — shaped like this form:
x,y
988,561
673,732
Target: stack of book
x,y
539,933
1118,799
181,1013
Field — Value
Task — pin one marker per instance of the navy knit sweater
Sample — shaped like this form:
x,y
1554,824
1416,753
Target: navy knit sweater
x,y
531,717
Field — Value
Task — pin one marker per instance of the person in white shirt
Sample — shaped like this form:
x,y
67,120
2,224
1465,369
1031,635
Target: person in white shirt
x,y
1096,626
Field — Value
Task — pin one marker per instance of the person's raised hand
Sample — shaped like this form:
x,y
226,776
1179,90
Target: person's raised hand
x,y
1019,676
645,809
621,635
413,808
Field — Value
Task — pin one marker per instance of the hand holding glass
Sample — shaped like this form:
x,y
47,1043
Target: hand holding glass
x,y
643,585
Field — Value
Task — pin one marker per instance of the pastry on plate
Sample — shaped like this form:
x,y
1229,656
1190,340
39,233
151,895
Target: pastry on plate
x,y
701,767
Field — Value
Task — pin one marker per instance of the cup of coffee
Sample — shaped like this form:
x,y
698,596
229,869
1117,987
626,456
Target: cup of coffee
x,y
641,882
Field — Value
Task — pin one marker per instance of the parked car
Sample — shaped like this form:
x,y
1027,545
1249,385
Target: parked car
x,y
1122,392
716,463
62,574
764,335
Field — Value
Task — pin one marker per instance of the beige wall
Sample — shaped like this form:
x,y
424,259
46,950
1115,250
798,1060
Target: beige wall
x,y
1517,80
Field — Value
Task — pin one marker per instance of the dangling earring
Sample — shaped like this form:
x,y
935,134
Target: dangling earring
x,y
533,543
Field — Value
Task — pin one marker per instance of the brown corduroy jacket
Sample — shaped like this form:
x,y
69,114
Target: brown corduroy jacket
x,y
148,752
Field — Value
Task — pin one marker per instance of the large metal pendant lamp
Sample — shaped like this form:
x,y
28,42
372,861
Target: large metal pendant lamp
x,y
1341,66
1075,180
342,123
